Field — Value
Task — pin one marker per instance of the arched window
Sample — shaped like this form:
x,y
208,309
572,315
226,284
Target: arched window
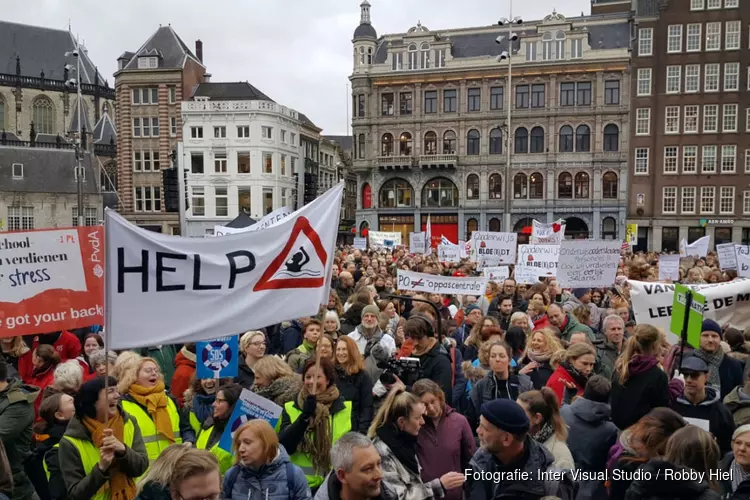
x,y
43,115
386,145
583,139
582,185
361,146
361,55
404,147
369,55
496,141
520,186
430,143
536,186
472,187
609,186
449,142
611,138
494,225
565,185
366,196
472,142
609,228
537,140
425,54
522,140
109,178
440,192
413,56
471,226
496,187
566,139
396,193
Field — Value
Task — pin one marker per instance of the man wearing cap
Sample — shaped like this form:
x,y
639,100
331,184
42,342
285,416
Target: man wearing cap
x,y
725,372
700,405
375,346
510,463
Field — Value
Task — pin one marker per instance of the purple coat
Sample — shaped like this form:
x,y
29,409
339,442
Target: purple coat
x,y
440,452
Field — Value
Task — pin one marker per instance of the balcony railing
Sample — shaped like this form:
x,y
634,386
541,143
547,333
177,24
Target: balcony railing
x,y
8,80
395,160
109,150
438,159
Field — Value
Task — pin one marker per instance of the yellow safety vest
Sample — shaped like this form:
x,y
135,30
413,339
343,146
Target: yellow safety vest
x,y
155,442
90,455
195,423
341,423
44,461
226,459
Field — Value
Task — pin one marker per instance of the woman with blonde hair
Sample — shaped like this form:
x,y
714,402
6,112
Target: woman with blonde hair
x,y
537,359
252,349
262,470
575,367
275,380
522,321
547,426
354,383
126,361
155,484
18,355
479,333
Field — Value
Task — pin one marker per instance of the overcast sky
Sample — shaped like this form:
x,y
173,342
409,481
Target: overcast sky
x,y
296,51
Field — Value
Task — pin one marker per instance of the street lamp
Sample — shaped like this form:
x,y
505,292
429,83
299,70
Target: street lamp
x,y
503,56
76,83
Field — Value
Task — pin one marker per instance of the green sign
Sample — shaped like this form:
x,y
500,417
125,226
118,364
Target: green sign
x,y
694,318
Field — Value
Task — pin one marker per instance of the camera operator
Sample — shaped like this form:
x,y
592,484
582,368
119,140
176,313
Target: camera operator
x,y
434,358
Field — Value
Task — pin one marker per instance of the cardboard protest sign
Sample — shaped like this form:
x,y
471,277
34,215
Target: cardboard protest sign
x,y
419,282
497,273
249,407
217,358
489,249
669,267
417,243
360,243
536,261
51,280
727,256
588,263
547,234
449,253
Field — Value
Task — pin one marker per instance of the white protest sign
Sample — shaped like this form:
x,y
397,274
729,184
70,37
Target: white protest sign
x,y
699,247
536,261
497,273
417,243
669,267
547,234
742,254
588,263
383,239
727,257
360,243
165,289
464,248
449,253
409,281
726,303
267,221
489,249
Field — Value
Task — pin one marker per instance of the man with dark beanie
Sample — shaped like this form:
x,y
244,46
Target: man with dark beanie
x,y
510,463
725,373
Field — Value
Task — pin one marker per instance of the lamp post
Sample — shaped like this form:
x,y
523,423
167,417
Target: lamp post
x,y
506,54
70,83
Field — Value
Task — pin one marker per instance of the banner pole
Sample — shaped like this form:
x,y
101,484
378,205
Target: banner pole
x,y
107,308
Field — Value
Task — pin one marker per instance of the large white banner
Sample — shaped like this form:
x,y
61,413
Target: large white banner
x,y
547,234
699,247
726,303
727,257
166,289
409,281
383,239
588,263
536,261
267,221
490,249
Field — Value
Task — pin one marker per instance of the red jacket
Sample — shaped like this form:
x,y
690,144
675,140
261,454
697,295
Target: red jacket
x,y
42,380
541,322
183,373
26,366
557,381
67,345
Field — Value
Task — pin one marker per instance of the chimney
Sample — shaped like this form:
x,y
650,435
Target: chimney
x,y
199,50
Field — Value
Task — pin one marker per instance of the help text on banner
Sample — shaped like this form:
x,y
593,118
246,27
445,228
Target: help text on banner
x,y
536,261
51,280
420,282
588,263
490,249
167,289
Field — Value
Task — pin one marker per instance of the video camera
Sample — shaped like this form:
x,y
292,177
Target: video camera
x,y
403,368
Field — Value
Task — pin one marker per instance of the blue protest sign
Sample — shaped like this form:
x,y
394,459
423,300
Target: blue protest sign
x,y
217,358
250,406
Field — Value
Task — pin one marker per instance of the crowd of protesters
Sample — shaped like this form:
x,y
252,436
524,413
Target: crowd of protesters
x,y
392,395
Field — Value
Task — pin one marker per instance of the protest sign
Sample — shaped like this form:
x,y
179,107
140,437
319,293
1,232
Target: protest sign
x,y
547,234
167,289
360,243
587,263
497,273
742,256
669,267
417,242
489,249
217,358
727,257
409,281
692,322
464,248
383,239
726,303
267,221
536,261
249,407
697,248
51,280
449,253
631,234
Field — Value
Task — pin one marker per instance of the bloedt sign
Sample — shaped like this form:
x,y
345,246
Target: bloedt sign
x,y
167,289
490,249
409,281
51,280
536,261
588,263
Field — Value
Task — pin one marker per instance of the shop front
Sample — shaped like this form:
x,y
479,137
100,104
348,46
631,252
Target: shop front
x,y
403,224
442,225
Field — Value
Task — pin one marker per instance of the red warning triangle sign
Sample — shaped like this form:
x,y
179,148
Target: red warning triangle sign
x,y
302,225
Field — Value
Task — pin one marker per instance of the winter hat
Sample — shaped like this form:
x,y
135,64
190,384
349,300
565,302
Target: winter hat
x,y
470,308
710,325
506,415
370,310
580,292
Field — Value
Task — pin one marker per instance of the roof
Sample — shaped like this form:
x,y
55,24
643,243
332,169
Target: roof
x,y
647,8
104,132
306,121
127,55
609,36
365,30
230,91
241,221
40,50
73,126
167,46
45,171
344,141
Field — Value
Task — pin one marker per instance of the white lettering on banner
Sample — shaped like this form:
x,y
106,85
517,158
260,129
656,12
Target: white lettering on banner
x,y
419,282
742,254
497,273
547,234
166,289
267,221
726,303
417,243
449,253
727,257
588,263
382,239
536,261
669,267
360,243
490,249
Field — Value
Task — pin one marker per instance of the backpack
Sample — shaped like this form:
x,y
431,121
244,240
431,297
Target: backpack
x,y
232,474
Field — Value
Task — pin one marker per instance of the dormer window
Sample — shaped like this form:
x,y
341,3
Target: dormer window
x,y
148,62
18,170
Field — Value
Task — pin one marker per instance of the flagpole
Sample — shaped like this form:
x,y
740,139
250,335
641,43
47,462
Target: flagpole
x,y
107,307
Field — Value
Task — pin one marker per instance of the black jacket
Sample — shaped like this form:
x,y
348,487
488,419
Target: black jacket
x,y
291,337
640,394
153,491
245,375
16,419
743,490
540,375
731,374
357,388
292,433
490,388
331,490
45,452
435,365
658,487
720,421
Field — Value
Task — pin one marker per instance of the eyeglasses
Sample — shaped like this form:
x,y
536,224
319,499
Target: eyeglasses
x,y
151,371
257,344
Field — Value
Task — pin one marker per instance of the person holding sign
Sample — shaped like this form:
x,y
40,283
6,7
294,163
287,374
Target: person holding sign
x,y
213,427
